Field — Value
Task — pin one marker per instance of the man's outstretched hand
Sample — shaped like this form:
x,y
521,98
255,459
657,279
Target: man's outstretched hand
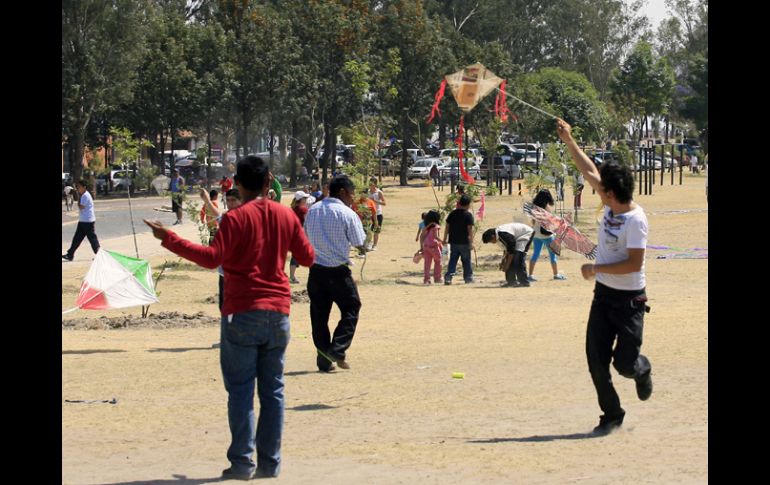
x,y
158,230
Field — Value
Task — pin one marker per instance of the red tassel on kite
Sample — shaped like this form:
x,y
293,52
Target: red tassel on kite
x,y
460,154
501,106
437,100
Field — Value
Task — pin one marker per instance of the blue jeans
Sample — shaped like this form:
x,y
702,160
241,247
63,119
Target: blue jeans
x,y
462,252
253,345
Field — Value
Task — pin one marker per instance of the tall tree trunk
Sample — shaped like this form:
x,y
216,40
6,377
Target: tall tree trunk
x,y
161,149
209,172
405,131
77,150
270,144
441,134
173,155
293,155
328,149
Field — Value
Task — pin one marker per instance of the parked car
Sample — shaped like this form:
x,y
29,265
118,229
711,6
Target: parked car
x,y
121,179
472,154
412,153
453,169
421,168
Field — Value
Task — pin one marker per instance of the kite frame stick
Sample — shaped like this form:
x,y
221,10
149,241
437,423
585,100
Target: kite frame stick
x,y
524,102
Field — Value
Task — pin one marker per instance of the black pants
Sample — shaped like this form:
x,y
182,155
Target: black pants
x,y
615,314
324,287
84,229
221,291
517,270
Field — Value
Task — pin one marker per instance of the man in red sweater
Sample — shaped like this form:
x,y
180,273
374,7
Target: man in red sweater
x,y
251,245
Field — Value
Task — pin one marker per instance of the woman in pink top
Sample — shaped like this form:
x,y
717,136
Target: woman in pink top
x,y
431,247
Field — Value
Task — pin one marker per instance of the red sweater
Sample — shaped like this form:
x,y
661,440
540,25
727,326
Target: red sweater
x,y
251,246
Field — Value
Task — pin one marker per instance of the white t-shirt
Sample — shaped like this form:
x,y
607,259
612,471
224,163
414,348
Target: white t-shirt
x,y
376,197
521,232
617,234
87,212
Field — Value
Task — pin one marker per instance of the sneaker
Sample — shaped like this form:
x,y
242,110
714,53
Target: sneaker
x,y
66,257
230,474
559,277
426,282
294,281
447,282
176,222
470,281
505,284
608,425
374,248
531,278
644,386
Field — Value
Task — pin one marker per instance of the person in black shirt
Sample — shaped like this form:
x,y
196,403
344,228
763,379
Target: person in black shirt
x,y
459,230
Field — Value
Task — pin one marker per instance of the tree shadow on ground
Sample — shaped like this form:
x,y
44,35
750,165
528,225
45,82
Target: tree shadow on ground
x,y
91,351
177,480
180,349
311,407
539,438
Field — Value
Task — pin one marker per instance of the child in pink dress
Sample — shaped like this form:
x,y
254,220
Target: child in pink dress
x,y
431,247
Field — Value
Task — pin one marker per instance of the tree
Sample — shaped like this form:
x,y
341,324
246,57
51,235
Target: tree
x,y
642,86
213,76
568,95
696,107
102,42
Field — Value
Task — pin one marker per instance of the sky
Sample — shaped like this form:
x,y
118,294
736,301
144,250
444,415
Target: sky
x,y
655,11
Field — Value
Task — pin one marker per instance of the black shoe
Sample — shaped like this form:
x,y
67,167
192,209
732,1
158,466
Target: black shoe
x,y
608,425
331,358
230,474
66,257
263,474
644,386
327,370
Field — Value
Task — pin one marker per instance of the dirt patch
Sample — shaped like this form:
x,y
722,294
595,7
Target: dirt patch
x,y
160,320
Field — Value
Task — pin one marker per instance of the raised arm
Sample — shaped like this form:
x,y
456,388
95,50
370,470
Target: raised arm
x,y
210,209
582,162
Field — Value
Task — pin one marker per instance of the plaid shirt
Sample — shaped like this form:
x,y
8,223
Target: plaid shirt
x,y
332,228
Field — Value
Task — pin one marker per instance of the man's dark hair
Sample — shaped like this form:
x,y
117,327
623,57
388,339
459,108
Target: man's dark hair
x,y
619,180
251,173
488,235
341,182
233,193
543,198
82,183
213,194
465,200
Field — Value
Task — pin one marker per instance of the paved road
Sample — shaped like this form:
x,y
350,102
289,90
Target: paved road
x,y
113,217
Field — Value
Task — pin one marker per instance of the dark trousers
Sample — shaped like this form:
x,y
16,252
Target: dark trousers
x,y
221,291
517,270
324,287
84,230
463,253
615,314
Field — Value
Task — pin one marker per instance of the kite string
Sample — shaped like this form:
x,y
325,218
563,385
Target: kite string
x,y
524,102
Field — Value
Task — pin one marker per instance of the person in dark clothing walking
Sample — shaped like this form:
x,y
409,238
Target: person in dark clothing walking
x,y
459,231
619,304
332,228
86,223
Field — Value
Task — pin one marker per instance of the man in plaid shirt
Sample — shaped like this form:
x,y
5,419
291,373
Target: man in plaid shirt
x,y
332,228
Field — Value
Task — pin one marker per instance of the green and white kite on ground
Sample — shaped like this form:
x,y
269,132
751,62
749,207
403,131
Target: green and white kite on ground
x,y
116,281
